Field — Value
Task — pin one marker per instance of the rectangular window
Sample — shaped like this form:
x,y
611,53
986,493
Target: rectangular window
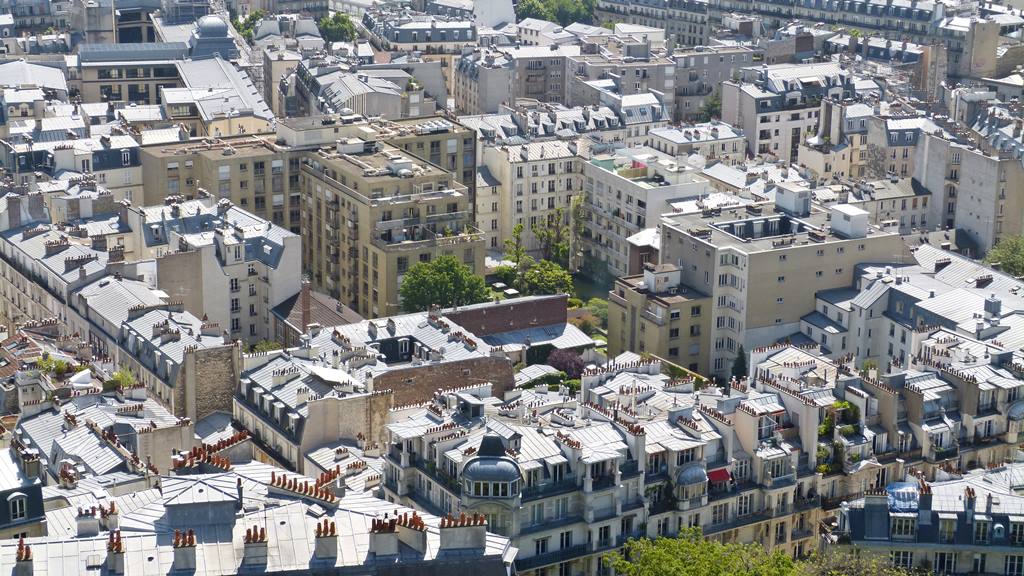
x,y
981,532
901,558
19,508
1014,565
902,528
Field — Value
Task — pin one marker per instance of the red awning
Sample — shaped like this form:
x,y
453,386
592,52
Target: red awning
x,y
719,475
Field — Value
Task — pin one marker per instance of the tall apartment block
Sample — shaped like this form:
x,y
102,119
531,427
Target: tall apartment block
x,y
762,265
371,212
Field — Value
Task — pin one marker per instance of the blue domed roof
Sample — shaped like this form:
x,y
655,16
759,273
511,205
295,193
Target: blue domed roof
x,y
211,26
1016,411
692,474
489,469
491,463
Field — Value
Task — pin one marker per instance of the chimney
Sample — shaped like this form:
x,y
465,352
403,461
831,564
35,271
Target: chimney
x,y
23,559
326,546
110,518
464,532
115,553
876,514
307,315
255,551
88,524
335,358
384,536
924,504
338,487
184,550
238,492
227,337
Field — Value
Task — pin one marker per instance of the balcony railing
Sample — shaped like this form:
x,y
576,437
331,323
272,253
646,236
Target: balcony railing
x,y
630,469
938,454
603,482
563,555
551,489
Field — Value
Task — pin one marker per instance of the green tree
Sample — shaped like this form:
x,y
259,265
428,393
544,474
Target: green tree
x,y
563,12
445,281
266,346
547,277
515,252
121,378
248,26
848,563
553,235
53,366
712,107
579,217
337,28
1009,254
599,308
739,365
691,555
533,9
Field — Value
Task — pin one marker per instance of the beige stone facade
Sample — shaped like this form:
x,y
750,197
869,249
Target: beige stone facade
x,y
371,213
254,174
653,313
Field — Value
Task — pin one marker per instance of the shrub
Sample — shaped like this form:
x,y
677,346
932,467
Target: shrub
x,y
567,361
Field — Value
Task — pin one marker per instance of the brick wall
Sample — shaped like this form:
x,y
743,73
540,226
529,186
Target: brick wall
x,y
417,384
210,378
511,315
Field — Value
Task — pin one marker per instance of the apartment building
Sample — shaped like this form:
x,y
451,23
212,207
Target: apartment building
x,y
986,207
542,73
203,493
327,391
699,73
654,313
624,193
255,174
436,38
128,72
952,527
22,490
732,254
482,81
890,308
970,42
371,212
777,105
41,264
629,63
539,181
442,142
221,262
216,99
566,492
682,21
714,140
893,204
113,160
839,148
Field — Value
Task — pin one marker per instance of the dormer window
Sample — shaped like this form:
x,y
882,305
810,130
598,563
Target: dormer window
x,y
18,503
903,527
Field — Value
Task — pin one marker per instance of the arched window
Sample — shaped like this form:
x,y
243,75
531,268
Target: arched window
x,y
18,504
